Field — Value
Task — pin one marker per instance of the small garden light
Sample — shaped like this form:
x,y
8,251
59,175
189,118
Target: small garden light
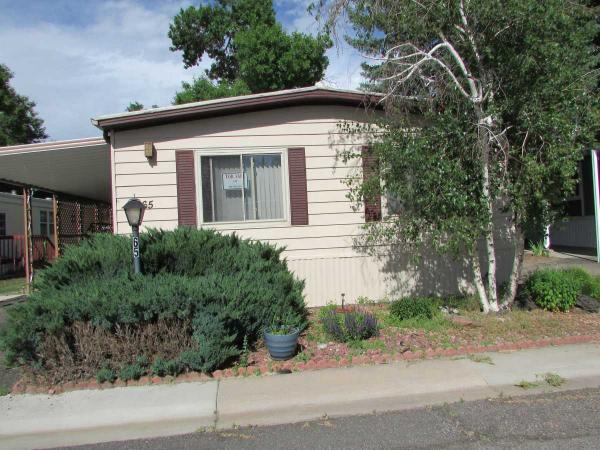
x,y
134,210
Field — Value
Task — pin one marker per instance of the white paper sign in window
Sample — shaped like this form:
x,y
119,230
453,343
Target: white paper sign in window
x,y
233,181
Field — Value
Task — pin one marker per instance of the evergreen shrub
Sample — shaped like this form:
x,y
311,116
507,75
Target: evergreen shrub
x,y
200,293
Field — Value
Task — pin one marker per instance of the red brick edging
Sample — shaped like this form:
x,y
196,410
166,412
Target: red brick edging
x,y
314,364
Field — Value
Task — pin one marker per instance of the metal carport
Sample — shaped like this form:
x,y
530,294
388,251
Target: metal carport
x,y
76,173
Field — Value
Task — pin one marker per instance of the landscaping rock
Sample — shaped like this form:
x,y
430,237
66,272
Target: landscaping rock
x,y
588,304
448,310
526,303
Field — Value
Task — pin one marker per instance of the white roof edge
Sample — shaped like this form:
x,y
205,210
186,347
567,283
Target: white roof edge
x,y
53,145
227,100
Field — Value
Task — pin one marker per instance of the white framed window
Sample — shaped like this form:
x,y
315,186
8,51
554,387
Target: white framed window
x,y
242,186
2,224
46,223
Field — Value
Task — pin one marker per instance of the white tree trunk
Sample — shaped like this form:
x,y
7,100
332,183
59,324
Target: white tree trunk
x,y
479,285
490,248
515,272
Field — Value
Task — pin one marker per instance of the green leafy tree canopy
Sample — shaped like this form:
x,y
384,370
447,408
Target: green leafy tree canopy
x,y
507,93
246,43
19,123
134,106
204,89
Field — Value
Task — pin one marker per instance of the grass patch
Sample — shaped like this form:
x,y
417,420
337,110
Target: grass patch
x,y
12,286
304,356
4,391
468,303
483,359
524,384
437,323
367,345
554,379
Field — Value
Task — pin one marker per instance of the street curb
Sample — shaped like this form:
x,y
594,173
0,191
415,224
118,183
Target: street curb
x,y
292,408
84,417
152,412
289,415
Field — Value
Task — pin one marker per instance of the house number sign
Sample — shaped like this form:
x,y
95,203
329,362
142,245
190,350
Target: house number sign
x,y
148,204
136,247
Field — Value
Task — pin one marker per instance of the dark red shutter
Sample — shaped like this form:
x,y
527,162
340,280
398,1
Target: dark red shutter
x,y
370,168
186,188
298,194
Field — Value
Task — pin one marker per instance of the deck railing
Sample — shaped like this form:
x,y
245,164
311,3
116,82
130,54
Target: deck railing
x,y
12,252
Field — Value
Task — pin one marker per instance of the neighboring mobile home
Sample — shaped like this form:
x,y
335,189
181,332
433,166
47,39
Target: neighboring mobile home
x,y
11,230
577,232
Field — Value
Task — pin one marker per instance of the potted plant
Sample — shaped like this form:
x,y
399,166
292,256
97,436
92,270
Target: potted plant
x,y
281,339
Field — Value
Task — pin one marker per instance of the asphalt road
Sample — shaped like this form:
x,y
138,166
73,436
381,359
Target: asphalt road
x,y
561,420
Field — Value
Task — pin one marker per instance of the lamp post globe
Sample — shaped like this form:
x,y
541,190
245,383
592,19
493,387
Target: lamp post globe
x,y
134,211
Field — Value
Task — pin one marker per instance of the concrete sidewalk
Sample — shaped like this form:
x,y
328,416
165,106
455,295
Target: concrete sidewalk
x,y
81,417
6,300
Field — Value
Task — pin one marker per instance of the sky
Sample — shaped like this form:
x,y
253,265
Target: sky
x,y
78,59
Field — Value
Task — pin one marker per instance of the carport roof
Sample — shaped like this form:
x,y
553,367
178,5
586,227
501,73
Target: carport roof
x,y
78,168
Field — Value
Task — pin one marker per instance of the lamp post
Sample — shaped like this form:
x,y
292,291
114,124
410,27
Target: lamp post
x,y
134,210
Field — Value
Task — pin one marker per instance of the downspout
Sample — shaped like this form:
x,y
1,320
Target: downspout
x,y
113,189
594,155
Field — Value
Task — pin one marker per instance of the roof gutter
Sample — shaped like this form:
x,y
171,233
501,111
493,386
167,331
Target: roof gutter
x,y
238,105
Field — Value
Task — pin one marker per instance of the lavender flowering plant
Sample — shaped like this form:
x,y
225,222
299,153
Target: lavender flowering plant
x,y
349,325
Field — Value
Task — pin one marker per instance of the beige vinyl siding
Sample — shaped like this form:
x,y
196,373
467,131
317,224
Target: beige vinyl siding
x,y
332,221
322,252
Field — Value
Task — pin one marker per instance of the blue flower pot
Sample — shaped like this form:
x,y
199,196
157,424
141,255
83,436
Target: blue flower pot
x,y
281,346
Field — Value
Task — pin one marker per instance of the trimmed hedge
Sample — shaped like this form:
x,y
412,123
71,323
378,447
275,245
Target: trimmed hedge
x,y
202,288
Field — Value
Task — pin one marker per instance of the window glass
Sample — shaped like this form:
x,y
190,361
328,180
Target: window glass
x,y
50,224
263,199
2,224
241,187
43,223
46,223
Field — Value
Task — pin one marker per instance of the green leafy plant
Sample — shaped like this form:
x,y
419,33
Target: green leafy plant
x,y
554,379
245,353
554,290
413,307
538,249
131,372
106,375
586,283
281,326
365,345
304,356
524,384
